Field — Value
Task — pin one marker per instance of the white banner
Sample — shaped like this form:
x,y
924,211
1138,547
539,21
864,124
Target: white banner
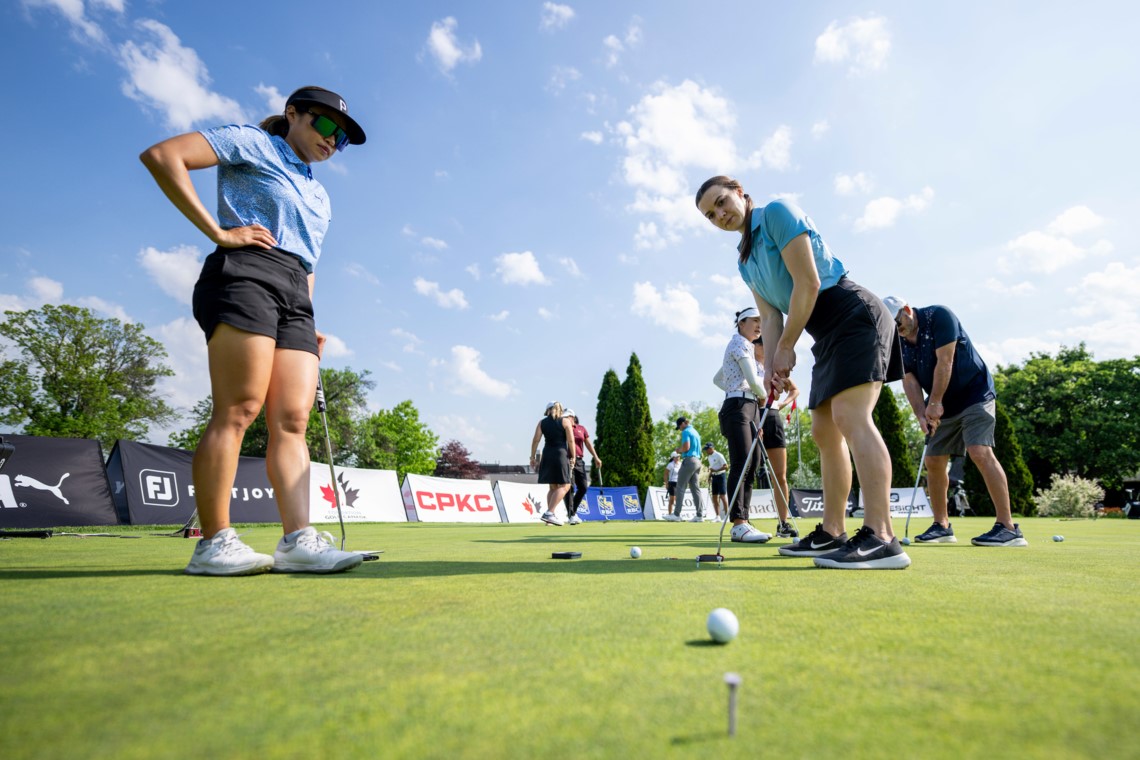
x,y
522,502
428,499
365,495
657,504
900,502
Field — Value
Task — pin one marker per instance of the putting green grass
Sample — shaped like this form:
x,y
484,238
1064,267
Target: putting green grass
x,y
470,641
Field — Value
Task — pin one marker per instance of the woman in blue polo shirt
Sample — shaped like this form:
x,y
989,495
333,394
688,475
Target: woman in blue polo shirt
x,y
792,272
253,300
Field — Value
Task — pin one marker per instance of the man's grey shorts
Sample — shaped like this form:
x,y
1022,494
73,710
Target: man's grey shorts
x,y
974,426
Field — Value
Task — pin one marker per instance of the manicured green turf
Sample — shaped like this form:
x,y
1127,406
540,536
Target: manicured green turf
x,y
469,641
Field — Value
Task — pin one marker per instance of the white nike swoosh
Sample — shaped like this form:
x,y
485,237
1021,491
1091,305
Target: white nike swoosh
x,y
862,553
814,545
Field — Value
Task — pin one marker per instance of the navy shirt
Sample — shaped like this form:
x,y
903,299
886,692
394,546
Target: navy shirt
x,y
970,380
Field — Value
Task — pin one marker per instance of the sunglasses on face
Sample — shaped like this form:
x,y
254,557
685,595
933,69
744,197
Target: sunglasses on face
x,y
326,127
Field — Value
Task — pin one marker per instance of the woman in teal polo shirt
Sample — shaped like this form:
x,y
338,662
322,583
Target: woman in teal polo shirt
x,y
792,272
253,301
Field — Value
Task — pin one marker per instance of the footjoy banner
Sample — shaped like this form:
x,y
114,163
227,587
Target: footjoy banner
x,y
49,482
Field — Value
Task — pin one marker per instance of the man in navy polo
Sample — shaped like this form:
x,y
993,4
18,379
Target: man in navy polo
x,y
957,414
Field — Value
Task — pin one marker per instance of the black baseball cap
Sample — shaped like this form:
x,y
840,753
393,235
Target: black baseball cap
x,y
680,420
333,101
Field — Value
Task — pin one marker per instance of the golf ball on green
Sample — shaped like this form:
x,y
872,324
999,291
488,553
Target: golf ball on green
x,y
723,625
1058,539
905,542
635,552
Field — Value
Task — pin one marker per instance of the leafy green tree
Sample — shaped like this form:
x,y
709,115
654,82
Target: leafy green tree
x,y
803,454
610,440
889,419
395,439
1008,453
639,428
346,406
1074,414
78,376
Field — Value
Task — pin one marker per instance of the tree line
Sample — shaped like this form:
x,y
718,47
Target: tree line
x,y
69,373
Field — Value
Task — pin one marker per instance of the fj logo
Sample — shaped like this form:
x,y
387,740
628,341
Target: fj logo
x,y
159,488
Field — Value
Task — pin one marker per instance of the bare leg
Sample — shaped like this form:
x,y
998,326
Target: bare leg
x,y
851,411
555,494
778,458
834,466
292,390
938,482
240,366
996,482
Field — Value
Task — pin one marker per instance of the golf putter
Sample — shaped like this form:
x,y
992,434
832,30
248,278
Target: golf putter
x,y
718,557
322,408
914,492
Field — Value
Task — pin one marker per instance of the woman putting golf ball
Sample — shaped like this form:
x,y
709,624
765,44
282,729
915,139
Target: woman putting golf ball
x,y
253,300
791,272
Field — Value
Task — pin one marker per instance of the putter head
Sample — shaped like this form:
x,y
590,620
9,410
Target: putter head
x,y
370,556
717,558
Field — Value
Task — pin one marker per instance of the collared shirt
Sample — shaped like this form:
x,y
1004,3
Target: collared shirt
x,y
717,462
261,180
674,469
773,227
691,435
580,437
970,379
730,368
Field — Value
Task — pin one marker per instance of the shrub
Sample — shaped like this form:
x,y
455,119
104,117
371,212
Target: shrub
x,y
805,477
1068,496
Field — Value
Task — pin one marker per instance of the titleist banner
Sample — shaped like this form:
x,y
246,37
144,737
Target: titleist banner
x,y
153,486
809,502
429,499
50,482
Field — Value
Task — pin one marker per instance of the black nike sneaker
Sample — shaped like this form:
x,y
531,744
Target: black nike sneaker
x,y
866,551
818,542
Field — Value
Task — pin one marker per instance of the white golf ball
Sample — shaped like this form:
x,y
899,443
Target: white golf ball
x,y
1058,539
723,625
905,542
796,540
635,552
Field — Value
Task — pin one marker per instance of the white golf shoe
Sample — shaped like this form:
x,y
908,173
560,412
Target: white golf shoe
x,y
746,534
309,552
226,554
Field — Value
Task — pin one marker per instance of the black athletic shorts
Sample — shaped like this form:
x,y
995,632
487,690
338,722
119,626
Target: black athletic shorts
x,y
719,484
259,291
774,430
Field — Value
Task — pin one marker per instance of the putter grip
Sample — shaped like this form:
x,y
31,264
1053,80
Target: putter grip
x,y
320,399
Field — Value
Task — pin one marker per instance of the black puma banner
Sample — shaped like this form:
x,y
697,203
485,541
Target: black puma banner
x,y
49,482
152,486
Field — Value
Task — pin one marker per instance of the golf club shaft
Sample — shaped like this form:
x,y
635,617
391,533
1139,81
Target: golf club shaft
x,y
321,407
917,479
778,489
747,461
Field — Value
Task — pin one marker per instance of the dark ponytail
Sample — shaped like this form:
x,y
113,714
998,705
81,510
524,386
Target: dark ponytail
x,y
731,184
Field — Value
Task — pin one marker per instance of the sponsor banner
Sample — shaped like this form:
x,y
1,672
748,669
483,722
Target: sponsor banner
x,y
520,502
604,504
429,499
153,486
365,495
900,502
49,482
808,502
658,504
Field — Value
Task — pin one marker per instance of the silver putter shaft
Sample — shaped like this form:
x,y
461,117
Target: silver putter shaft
x,y
328,452
747,460
914,492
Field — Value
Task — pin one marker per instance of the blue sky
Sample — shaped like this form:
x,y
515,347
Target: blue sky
x,y
521,218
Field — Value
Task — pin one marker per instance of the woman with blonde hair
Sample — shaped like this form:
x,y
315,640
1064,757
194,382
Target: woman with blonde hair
x,y
557,432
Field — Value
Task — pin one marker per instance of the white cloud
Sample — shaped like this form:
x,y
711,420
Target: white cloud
x,y
359,272
392,366
445,47
848,184
820,128
474,271
864,43
884,212
593,137
1074,221
186,355
75,11
561,76
500,316
555,16
471,433
786,196
1019,289
174,271
46,290
519,269
775,152
435,243
104,307
676,309
170,78
615,46
649,238
335,348
570,266
451,299
274,99
470,377
412,342
1110,291
545,313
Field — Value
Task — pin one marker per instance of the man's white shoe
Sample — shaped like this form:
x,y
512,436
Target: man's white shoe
x,y
225,554
309,552
672,517
698,518
574,520
746,534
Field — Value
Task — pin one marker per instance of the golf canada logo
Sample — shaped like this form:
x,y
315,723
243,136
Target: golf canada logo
x,y
159,488
532,505
350,494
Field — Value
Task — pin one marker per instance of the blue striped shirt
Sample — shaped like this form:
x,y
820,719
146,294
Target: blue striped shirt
x,y
261,179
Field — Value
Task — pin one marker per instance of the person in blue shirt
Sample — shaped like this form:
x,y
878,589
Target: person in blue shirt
x,y
253,301
689,474
792,272
958,414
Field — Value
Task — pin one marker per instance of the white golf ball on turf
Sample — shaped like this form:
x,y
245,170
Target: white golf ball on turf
x,y
1058,539
905,542
723,625
635,552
